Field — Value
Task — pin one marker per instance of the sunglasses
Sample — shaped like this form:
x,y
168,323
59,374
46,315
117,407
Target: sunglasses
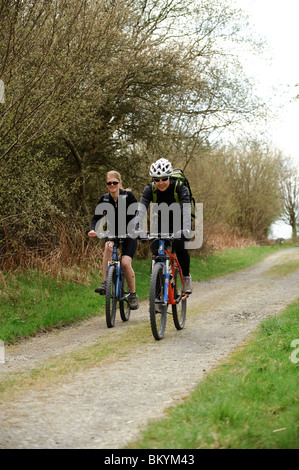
x,y
156,180
112,182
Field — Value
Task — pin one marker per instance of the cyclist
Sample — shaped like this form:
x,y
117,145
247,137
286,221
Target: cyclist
x,y
164,187
129,245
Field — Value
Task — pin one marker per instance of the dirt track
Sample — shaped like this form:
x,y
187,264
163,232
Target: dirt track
x,y
105,406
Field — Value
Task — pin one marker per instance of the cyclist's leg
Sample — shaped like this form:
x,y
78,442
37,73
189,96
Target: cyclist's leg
x,y
184,260
106,258
126,262
182,255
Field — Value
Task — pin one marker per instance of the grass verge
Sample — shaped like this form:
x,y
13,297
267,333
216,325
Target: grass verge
x,y
249,402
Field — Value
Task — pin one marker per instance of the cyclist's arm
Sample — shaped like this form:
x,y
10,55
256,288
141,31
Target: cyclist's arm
x,y
185,206
143,205
94,221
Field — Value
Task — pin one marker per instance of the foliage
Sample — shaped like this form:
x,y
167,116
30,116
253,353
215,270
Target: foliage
x,y
92,85
240,186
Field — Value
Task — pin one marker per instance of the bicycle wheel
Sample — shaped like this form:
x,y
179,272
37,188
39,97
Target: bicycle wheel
x,y
179,310
158,311
123,304
111,300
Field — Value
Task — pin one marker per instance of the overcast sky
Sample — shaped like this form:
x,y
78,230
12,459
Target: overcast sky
x,y
277,21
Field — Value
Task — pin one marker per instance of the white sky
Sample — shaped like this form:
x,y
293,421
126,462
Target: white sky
x,y
278,22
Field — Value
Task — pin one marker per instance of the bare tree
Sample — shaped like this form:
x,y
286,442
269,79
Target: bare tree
x,y
290,187
253,179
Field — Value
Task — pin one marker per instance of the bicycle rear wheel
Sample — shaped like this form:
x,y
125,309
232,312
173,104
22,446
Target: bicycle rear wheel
x,y
111,300
179,310
124,307
158,311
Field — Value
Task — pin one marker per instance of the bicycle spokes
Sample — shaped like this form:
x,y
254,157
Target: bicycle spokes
x,y
158,310
180,305
111,299
124,307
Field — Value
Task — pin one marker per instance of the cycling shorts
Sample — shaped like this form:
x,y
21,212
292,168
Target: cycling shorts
x,y
129,246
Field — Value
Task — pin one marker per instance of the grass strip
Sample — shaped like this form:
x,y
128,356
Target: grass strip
x,y
249,402
111,348
281,270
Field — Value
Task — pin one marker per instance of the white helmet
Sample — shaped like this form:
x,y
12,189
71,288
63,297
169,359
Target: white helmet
x,y
161,168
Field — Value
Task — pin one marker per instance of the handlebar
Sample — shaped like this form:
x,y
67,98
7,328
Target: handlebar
x,y
141,235
110,238
144,236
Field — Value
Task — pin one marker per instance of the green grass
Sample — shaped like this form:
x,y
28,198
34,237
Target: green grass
x,y
249,402
31,301
284,269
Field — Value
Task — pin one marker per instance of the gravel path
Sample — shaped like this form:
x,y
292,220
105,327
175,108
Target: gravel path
x,y
104,407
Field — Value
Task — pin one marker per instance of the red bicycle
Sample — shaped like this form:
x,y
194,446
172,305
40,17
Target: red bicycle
x,y
166,288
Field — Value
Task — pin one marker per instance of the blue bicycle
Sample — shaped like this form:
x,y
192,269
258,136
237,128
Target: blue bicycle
x,y
117,290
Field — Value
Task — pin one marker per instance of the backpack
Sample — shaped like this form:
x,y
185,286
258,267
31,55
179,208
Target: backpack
x,y
179,176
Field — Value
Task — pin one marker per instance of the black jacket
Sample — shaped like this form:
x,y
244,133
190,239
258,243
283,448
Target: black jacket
x,y
168,197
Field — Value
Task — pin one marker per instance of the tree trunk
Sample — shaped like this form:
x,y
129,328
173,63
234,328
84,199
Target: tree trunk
x,y
81,166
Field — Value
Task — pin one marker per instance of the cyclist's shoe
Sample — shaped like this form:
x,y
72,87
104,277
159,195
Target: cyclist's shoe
x,y
188,284
101,289
133,301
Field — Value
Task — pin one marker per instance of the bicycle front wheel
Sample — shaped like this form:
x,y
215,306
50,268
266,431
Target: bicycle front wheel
x,y
179,309
111,299
158,311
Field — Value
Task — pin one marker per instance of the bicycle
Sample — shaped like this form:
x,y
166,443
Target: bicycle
x,y
116,287
166,288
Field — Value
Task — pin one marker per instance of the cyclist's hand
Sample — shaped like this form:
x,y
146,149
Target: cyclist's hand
x,y
92,234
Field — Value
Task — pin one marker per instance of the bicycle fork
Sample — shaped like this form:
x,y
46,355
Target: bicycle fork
x,y
118,281
166,281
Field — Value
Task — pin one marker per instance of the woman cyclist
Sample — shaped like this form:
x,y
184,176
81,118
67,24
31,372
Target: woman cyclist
x,y
129,245
164,189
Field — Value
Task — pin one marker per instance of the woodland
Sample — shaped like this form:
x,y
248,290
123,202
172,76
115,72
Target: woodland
x,y
98,85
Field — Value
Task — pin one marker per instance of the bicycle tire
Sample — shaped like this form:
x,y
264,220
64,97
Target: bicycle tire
x,y
111,299
179,310
158,311
124,307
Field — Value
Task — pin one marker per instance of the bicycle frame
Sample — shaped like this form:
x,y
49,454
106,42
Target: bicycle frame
x,y
116,262
169,260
